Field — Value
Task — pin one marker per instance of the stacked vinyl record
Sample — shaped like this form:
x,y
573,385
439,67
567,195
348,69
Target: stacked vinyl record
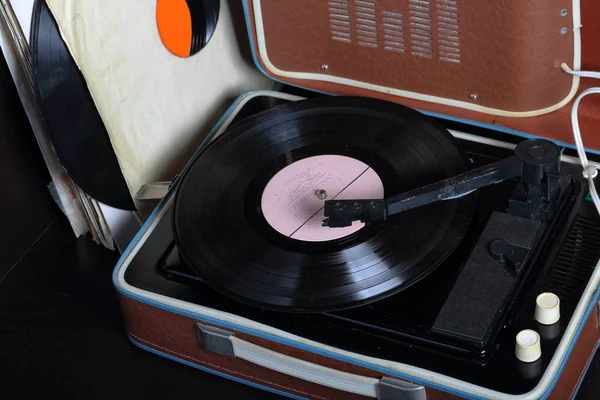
x,y
70,116
223,235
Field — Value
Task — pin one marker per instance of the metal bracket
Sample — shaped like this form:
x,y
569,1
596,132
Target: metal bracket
x,y
395,389
215,340
153,191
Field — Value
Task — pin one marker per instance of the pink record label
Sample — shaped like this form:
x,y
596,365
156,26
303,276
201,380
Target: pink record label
x,y
293,200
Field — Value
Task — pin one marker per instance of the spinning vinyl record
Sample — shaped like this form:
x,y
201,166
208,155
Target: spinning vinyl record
x,y
70,116
248,211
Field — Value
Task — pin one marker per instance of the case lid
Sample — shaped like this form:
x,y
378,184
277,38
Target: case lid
x,y
490,62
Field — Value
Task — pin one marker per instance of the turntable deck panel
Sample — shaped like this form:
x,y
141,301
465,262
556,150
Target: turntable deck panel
x,y
390,328
397,326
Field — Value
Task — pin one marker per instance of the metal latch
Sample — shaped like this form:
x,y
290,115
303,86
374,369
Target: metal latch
x,y
215,340
395,389
153,191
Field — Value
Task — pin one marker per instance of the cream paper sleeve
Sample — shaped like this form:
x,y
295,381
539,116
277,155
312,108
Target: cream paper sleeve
x,y
156,107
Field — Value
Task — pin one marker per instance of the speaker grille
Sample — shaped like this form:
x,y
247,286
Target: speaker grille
x,y
575,262
421,28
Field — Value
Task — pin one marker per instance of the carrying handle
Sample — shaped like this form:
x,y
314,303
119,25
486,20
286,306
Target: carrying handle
x,y
224,342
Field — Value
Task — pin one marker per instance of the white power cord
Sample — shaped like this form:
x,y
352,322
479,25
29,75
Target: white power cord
x,y
589,170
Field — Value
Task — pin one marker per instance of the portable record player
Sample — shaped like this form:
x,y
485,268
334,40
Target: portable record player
x,y
275,259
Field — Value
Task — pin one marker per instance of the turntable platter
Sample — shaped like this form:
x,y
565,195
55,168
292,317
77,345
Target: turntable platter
x,y
248,209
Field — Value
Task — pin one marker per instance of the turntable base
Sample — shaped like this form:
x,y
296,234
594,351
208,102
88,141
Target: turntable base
x,y
152,328
170,312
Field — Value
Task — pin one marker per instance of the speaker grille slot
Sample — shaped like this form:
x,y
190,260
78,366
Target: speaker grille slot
x,y
421,28
365,14
448,29
339,21
393,31
575,262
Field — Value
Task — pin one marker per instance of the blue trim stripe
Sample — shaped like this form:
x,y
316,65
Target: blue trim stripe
x,y
251,37
217,373
492,127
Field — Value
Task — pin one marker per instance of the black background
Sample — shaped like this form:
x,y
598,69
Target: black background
x,y
61,330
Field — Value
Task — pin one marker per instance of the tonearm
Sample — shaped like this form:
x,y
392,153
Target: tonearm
x,y
536,162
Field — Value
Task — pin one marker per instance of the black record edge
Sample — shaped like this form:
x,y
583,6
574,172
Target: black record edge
x,y
232,251
204,15
70,117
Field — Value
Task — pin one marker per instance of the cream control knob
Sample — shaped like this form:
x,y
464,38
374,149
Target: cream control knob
x,y
547,308
528,348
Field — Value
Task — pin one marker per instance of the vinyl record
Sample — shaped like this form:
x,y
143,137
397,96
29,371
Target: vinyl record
x,y
186,26
239,207
70,116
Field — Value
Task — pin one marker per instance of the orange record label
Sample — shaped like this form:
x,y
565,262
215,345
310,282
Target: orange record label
x,y
174,24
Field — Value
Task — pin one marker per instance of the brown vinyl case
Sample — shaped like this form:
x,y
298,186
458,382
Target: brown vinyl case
x,y
496,63
174,335
258,354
